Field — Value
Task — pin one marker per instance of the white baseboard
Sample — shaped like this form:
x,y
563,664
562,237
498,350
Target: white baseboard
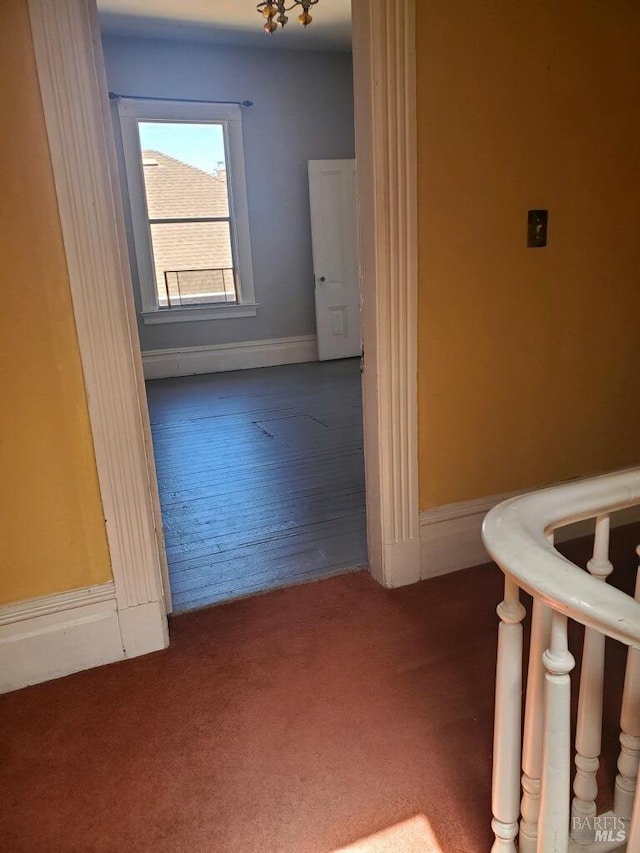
x,y
451,534
160,364
55,635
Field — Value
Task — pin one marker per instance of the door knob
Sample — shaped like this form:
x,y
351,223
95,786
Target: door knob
x,y
322,279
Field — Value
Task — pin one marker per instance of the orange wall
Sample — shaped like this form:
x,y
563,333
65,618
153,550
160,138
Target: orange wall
x,y
52,531
529,359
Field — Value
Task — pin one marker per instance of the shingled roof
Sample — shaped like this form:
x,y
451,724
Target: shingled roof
x,y
176,190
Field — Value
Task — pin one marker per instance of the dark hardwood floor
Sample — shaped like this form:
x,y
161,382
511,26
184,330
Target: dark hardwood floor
x,y
261,477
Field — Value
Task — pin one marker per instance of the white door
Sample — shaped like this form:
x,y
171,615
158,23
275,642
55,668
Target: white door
x,y
332,190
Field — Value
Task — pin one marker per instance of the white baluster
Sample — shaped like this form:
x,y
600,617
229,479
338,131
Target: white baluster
x,y
553,834
589,723
534,728
627,778
508,722
633,836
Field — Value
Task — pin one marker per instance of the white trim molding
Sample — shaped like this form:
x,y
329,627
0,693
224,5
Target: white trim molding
x,y
386,155
451,534
163,363
68,56
56,635
193,314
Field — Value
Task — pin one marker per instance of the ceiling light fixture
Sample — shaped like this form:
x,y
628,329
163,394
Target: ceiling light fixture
x,y
275,12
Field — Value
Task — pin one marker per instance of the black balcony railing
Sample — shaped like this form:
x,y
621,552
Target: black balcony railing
x,y
199,287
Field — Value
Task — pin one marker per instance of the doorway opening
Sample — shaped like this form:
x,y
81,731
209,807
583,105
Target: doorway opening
x,y
83,155
242,233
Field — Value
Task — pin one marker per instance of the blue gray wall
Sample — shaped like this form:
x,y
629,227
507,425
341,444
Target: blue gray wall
x,y
303,110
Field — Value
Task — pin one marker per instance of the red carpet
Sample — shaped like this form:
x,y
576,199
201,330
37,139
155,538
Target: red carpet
x,y
327,716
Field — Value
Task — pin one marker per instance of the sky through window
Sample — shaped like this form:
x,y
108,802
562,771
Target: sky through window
x,y
199,145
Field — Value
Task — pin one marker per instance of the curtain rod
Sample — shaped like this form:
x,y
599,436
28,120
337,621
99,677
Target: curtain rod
x,y
114,97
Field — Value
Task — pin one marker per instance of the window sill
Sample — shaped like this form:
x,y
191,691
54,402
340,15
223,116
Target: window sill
x,y
204,312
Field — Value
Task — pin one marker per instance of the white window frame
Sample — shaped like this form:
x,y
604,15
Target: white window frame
x,y
132,111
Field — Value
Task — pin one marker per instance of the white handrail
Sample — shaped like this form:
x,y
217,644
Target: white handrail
x,y
515,536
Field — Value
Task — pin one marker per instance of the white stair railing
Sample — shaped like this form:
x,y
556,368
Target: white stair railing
x,y
534,812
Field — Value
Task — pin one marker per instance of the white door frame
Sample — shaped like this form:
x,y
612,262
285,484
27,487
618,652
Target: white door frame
x,y
384,59
69,61
68,54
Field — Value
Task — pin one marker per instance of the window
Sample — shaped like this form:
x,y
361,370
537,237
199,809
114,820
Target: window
x,y
185,174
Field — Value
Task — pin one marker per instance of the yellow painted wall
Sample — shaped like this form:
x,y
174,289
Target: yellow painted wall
x,y
529,359
52,533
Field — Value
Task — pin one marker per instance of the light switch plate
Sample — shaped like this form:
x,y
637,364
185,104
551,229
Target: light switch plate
x,y
537,221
